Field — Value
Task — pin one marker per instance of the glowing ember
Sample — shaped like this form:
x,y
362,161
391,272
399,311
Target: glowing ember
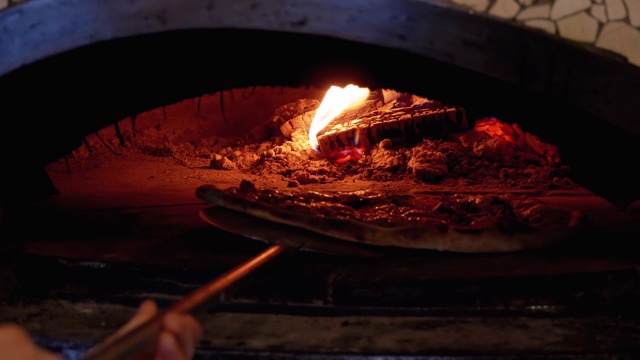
x,y
511,133
336,101
349,153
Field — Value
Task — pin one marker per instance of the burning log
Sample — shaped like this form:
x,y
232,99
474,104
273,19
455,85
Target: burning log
x,y
302,121
401,118
401,125
296,115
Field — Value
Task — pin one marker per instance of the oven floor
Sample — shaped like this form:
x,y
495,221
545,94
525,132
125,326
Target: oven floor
x,y
75,266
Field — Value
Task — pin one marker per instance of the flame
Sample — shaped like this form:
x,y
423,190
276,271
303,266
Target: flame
x,y
335,101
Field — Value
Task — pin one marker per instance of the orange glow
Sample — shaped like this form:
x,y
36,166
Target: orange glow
x,y
350,153
335,102
494,128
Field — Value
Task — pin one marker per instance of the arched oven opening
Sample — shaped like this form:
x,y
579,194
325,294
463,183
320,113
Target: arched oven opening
x,y
84,90
89,231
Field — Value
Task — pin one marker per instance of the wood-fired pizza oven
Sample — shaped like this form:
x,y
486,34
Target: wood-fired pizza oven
x,y
83,242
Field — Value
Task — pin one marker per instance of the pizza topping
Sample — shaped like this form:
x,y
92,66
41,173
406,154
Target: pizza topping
x,y
459,211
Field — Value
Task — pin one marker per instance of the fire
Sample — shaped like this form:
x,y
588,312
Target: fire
x,y
349,153
335,101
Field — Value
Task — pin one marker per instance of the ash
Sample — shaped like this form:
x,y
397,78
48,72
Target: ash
x,y
478,159
469,159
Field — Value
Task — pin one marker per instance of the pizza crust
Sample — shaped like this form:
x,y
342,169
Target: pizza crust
x,y
503,235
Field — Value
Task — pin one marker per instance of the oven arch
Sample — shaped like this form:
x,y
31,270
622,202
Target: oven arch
x,y
114,59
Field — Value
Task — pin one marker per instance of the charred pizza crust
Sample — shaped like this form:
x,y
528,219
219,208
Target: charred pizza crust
x,y
470,223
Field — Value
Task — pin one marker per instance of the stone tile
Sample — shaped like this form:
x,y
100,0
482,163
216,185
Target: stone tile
x,y
621,38
477,5
633,6
599,12
580,27
535,12
563,8
542,24
615,10
506,9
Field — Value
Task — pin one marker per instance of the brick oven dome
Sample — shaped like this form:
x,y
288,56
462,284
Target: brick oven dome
x,y
114,59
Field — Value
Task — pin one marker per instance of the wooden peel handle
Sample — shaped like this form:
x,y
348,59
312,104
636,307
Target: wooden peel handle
x,y
129,343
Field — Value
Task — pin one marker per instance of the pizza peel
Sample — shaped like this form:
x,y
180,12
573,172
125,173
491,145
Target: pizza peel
x,y
281,239
291,237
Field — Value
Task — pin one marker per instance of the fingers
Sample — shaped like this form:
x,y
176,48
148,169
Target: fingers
x,y
177,340
16,343
181,333
146,311
178,337
170,349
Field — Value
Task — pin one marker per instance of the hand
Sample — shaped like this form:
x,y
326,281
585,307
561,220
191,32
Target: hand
x,y
16,344
178,336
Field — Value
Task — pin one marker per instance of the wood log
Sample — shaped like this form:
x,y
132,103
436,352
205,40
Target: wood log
x,y
302,121
404,125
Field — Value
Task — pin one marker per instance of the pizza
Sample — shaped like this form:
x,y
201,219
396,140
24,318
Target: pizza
x,y
456,222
